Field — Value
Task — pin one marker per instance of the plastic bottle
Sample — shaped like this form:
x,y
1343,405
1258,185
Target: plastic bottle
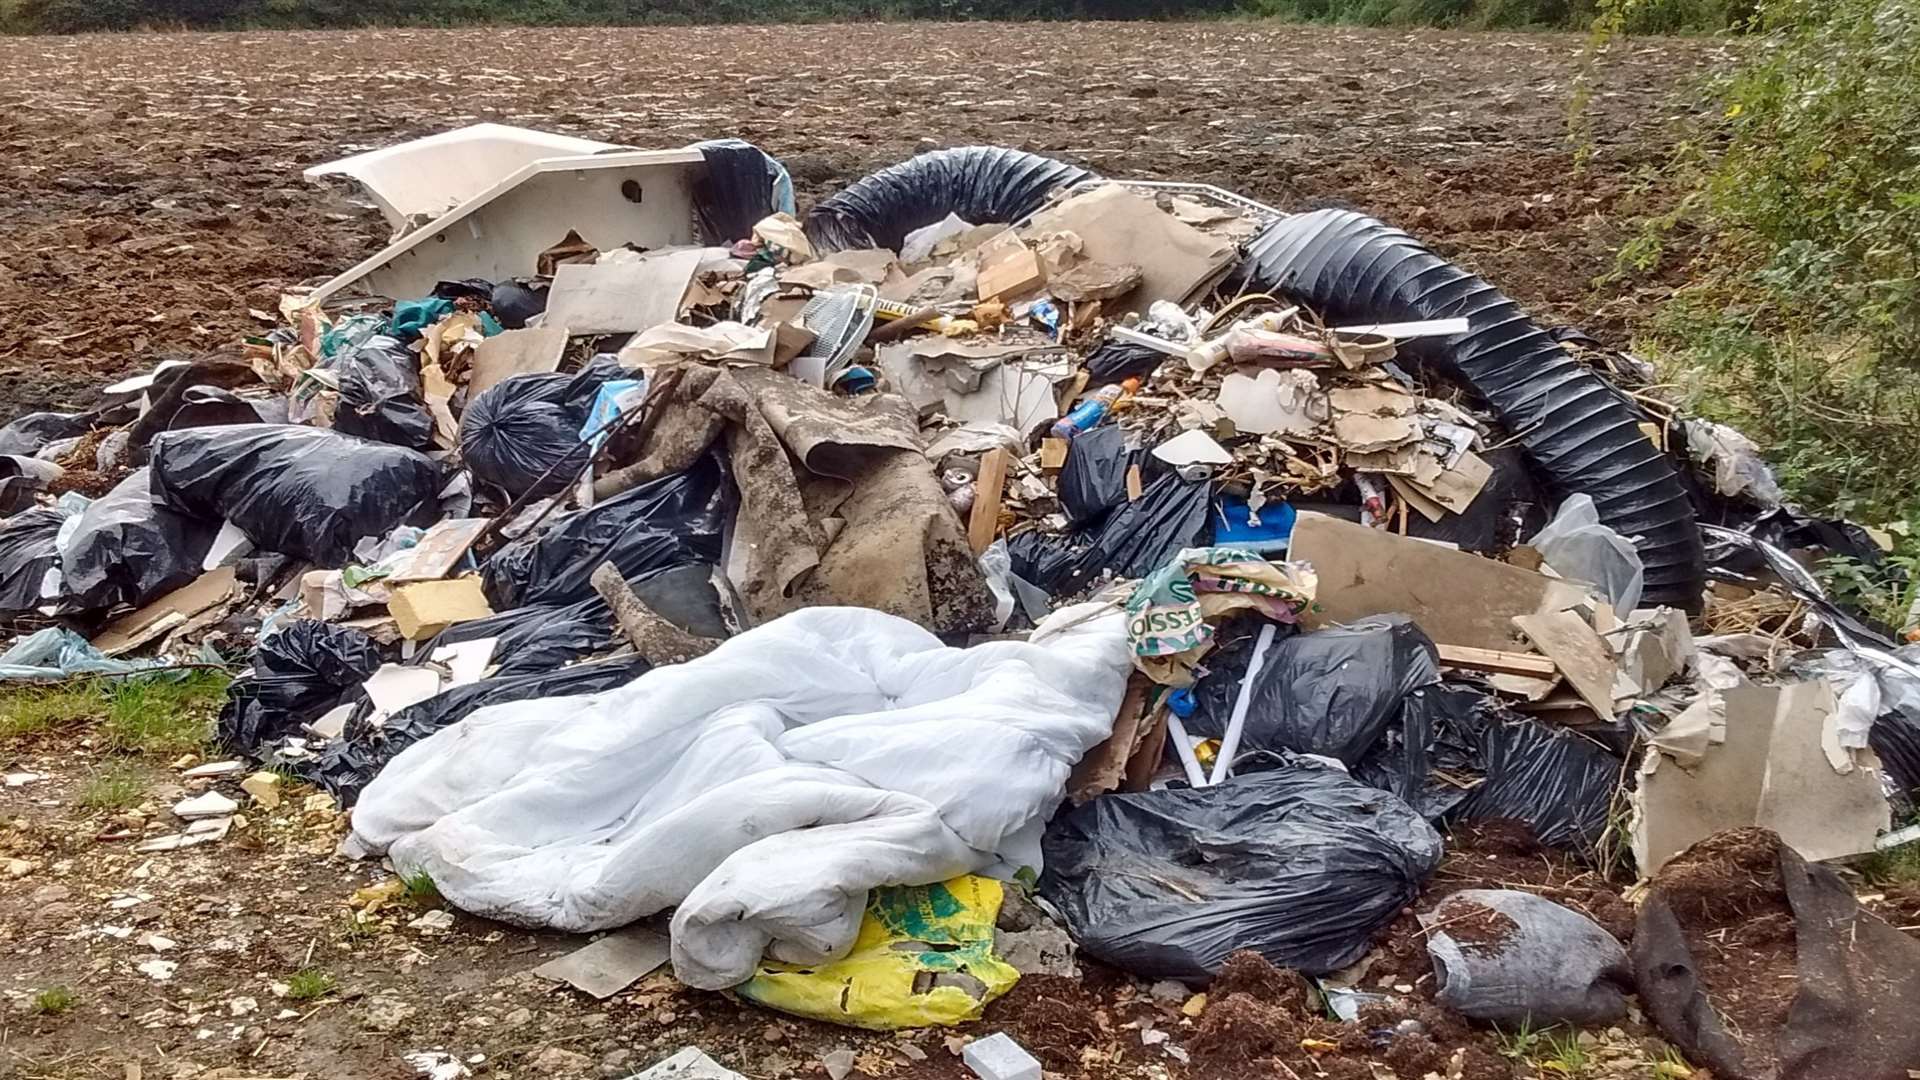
x,y
1092,409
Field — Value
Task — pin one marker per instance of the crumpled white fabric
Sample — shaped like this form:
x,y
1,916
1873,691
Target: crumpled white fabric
x,y
762,788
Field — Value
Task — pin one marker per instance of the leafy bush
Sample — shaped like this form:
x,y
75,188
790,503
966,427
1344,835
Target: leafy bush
x,y
1801,319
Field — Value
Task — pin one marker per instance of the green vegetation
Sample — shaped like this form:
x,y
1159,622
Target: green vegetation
x,y
115,787
54,1000
310,984
68,16
1799,322
164,713
421,891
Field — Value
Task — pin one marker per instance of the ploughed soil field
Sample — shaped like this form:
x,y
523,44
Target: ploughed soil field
x,y
151,195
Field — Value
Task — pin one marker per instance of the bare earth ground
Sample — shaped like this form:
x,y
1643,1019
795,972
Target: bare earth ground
x,y
150,195
150,190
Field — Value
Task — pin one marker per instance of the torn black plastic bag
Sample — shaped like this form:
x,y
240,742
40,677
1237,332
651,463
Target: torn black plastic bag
x,y
1557,783
127,550
982,184
27,552
346,766
674,521
1132,540
26,435
1581,432
538,638
1117,361
380,394
528,426
306,492
1094,479
1302,865
298,674
1330,692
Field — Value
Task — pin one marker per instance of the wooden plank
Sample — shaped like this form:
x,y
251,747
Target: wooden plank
x,y
1134,486
987,492
1579,653
1510,663
1053,453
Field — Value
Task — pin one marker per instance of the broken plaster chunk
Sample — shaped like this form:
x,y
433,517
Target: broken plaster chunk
x,y
1273,402
214,770
998,1057
839,1063
264,787
425,608
158,970
210,805
691,1063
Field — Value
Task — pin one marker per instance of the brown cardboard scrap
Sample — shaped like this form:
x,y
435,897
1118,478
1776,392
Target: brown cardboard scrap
x,y
1009,270
1456,597
1088,281
136,628
1456,488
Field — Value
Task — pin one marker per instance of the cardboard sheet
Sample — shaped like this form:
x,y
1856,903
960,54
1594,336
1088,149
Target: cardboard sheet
x,y
1456,597
132,630
438,551
1578,651
534,351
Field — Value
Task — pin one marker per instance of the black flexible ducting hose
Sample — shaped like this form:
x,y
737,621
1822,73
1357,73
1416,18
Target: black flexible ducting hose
x,y
1580,431
983,184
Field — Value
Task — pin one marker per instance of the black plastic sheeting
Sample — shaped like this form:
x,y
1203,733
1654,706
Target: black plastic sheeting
x,y
982,184
1555,782
735,195
1301,864
674,521
538,638
27,434
126,550
1117,361
380,394
1132,540
1094,479
526,427
1581,432
1856,990
26,554
298,674
1330,692
513,304
347,765
301,491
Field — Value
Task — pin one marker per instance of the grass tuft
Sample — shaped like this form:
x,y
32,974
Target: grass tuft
x,y
54,1000
309,984
164,715
114,787
33,710
421,891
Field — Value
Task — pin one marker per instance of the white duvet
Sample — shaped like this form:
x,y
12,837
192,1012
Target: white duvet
x,y
761,789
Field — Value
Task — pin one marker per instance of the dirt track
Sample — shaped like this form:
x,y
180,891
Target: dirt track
x,y
152,195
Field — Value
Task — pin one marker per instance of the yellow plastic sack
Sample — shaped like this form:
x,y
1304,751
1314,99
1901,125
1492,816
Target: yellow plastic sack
x,y
924,956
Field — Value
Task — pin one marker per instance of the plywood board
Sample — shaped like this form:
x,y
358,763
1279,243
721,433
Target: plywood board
x,y
622,297
1578,651
145,624
1456,597
534,351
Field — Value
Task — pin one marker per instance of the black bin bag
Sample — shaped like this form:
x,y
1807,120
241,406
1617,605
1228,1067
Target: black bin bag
x,y
537,638
676,520
1301,864
380,394
1094,479
300,491
127,550
1554,781
526,427
27,552
347,765
1132,540
1330,692
298,674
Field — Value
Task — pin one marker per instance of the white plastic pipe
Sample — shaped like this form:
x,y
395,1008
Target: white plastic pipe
x,y
1230,743
1183,746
